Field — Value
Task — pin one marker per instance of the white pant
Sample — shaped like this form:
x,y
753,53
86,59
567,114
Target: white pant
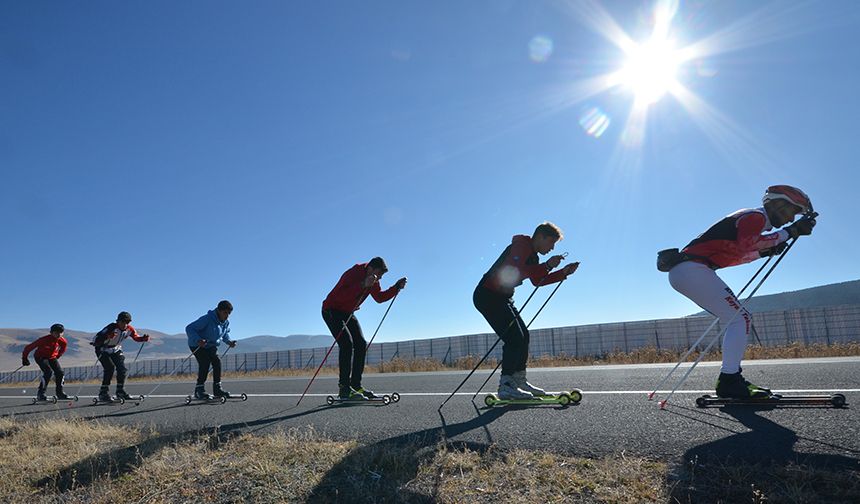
x,y
702,285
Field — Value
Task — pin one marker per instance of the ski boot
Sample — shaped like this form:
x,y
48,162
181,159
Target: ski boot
x,y
520,379
508,389
366,393
122,394
200,393
40,396
219,392
62,396
734,386
348,393
104,395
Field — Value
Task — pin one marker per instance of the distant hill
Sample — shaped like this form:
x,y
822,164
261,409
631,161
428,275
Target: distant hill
x,y
826,295
80,352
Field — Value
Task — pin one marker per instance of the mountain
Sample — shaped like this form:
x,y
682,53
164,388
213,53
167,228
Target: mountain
x,y
825,295
80,352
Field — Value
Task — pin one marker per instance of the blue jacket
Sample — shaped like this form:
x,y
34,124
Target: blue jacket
x,y
208,328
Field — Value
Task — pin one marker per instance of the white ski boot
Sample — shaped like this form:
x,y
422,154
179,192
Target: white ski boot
x,y
521,383
508,389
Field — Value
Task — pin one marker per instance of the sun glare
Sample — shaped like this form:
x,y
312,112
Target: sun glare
x,y
650,70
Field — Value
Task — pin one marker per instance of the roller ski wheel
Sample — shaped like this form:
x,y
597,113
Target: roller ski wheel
x,y
559,399
384,399
113,400
834,400
47,400
238,397
395,397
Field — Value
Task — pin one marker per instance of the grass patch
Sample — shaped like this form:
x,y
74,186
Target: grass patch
x,y
73,461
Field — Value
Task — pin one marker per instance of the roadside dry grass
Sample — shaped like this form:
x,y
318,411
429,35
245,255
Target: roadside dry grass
x,y
76,462
639,356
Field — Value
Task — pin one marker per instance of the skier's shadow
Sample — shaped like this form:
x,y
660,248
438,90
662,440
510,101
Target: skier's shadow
x,y
408,451
765,441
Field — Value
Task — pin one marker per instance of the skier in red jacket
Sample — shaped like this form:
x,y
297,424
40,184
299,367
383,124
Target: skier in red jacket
x,y
739,238
49,349
338,312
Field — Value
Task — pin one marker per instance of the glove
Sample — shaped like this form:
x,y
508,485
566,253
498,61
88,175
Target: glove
x,y
231,344
570,268
553,262
145,337
775,250
201,343
802,227
25,361
400,284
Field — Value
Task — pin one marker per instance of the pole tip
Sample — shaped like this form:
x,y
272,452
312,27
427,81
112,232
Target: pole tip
x,y
651,396
662,404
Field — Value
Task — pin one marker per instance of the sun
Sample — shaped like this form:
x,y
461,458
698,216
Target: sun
x,y
650,70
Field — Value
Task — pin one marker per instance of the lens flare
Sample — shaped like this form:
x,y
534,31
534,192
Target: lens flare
x,y
540,48
594,122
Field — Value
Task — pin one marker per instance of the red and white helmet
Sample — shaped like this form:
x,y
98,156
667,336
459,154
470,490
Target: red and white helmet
x,y
791,194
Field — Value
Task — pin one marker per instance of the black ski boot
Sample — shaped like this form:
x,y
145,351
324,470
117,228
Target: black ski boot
x,y
200,393
219,392
122,394
734,386
365,392
104,395
40,395
62,395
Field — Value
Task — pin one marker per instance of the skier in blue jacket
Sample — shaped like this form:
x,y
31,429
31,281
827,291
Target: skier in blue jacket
x,y
204,336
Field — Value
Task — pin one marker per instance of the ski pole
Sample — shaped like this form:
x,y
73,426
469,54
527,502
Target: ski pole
x,y
527,326
138,352
11,374
181,364
740,308
381,321
494,344
707,330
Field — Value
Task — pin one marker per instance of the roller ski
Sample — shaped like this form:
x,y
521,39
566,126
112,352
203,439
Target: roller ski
x,y
835,400
200,396
515,390
43,399
105,398
361,395
61,396
217,391
122,394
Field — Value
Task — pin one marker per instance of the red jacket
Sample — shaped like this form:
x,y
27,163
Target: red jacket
x,y
47,347
518,262
735,239
349,292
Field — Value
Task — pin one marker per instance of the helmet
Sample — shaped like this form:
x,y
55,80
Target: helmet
x,y
791,194
58,328
124,316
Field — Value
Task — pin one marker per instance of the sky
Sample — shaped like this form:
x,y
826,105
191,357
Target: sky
x,y
157,157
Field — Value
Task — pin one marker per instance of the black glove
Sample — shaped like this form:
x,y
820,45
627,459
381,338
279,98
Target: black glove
x,y
25,361
802,227
231,344
400,284
775,250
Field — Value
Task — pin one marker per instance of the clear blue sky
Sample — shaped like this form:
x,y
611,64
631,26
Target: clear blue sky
x,y
157,157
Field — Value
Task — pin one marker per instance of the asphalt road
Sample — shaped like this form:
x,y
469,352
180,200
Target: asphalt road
x,y
614,415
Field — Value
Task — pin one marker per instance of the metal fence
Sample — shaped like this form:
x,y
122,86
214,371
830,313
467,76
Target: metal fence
x,y
832,324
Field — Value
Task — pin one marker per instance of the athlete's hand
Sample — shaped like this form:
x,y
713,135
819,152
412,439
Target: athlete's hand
x,y
802,227
145,338
369,280
231,344
25,361
400,284
201,343
554,261
570,268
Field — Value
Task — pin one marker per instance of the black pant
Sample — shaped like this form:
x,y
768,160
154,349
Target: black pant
x,y
505,320
351,346
111,362
50,367
207,357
